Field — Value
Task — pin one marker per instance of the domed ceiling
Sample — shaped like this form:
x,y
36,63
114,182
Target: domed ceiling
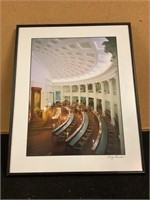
x,y
72,59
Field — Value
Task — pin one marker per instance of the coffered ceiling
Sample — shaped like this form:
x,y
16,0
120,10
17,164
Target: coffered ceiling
x,y
71,59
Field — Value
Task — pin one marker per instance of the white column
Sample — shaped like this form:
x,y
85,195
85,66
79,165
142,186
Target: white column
x,y
94,93
121,135
103,99
111,102
61,94
70,94
87,95
79,96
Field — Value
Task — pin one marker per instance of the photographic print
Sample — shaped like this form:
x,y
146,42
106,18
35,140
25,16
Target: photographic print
x,y
79,110
75,106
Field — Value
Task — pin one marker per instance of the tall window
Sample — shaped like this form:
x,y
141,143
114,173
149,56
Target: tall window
x,y
106,87
66,88
98,87
90,88
82,88
74,88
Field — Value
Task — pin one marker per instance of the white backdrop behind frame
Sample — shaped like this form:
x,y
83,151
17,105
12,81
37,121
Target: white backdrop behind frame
x,y
19,162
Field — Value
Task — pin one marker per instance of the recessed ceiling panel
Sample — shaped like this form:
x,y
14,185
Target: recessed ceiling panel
x,y
71,58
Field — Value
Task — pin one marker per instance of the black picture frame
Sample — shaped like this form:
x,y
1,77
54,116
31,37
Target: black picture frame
x,y
130,160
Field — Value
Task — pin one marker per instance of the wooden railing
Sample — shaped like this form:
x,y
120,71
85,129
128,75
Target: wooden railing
x,y
101,147
64,126
79,133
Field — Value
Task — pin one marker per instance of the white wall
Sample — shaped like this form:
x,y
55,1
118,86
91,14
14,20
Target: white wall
x,y
40,78
38,73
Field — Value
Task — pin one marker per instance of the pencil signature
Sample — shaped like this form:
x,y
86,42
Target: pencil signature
x,y
115,157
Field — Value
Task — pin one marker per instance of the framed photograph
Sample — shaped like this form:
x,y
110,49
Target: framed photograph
x,y
75,105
